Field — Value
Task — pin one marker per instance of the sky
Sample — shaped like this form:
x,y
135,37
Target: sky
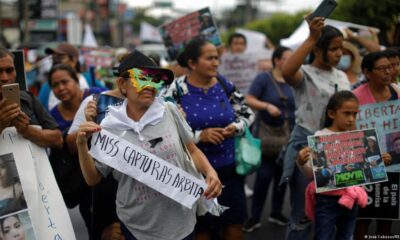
x,y
290,6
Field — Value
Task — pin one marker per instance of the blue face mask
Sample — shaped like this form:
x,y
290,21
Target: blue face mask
x,y
344,63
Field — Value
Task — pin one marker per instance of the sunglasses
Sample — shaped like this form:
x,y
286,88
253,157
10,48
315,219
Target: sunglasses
x,y
7,70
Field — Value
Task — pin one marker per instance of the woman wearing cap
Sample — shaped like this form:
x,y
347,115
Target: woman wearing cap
x,y
216,113
65,53
378,88
142,119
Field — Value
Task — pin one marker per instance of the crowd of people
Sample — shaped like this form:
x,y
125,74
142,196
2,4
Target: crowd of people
x,y
316,89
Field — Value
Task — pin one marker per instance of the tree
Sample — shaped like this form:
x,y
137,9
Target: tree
x,y
382,14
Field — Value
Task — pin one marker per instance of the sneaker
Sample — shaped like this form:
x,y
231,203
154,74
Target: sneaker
x,y
278,219
247,191
251,224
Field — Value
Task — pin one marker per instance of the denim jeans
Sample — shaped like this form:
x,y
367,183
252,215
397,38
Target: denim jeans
x,y
296,229
129,236
267,172
330,215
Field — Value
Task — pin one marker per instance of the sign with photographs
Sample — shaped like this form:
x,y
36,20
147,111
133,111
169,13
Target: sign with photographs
x,y
31,205
383,198
177,34
346,159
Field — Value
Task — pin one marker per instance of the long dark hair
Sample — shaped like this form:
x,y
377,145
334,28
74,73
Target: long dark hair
x,y
334,103
328,33
278,52
192,51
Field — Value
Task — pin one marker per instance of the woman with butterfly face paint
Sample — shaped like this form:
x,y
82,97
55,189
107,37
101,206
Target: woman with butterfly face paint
x,y
141,119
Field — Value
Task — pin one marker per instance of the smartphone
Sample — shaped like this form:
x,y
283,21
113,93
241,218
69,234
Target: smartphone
x,y
324,9
11,93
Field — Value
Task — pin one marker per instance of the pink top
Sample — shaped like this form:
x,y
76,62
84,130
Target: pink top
x,y
364,94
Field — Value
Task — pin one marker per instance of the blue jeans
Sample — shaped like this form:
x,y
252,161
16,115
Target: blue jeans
x,y
129,236
330,215
267,172
297,227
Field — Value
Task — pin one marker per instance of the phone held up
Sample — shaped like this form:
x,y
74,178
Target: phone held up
x,y
324,9
11,93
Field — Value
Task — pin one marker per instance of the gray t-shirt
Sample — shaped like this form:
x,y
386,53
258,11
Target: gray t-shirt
x,y
313,92
145,212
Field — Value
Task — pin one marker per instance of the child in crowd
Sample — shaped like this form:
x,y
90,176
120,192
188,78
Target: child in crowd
x,y
335,209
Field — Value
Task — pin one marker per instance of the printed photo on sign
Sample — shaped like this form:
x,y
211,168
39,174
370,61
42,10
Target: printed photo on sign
x,y
16,226
346,159
177,34
393,148
11,195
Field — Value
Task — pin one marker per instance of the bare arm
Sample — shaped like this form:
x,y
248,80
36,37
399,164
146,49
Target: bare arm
x,y
90,173
370,45
291,69
257,104
42,137
201,162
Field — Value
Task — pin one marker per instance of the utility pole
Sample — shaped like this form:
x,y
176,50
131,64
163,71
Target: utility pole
x,y
25,12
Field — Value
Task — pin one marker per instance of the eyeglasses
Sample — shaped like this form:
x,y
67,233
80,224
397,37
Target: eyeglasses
x,y
383,68
7,70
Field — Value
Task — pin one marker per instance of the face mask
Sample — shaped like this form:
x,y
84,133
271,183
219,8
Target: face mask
x,y
146,78
344,63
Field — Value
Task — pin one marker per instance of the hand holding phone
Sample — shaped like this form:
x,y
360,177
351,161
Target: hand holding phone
x,y
11,93
324,9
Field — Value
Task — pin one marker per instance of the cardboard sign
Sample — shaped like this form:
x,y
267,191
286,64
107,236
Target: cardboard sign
x,y
177,34
241,69
346,159
46,212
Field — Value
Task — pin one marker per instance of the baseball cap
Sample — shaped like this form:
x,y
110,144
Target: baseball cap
x,y
136,59
64,48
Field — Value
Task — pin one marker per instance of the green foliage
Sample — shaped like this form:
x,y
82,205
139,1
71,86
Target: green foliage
x,y
140,15
278,26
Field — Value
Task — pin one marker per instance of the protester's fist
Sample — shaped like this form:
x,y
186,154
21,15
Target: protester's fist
x,y
214,188
212,135
86,130
316,24
303,156
91,111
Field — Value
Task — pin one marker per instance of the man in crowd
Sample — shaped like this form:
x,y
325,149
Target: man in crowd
x,y
30,113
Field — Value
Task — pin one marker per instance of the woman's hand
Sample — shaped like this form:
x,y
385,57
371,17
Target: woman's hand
x,y
212,135
303,156
229,131
316,24
273,110
86,130
214,188
91,111
387,158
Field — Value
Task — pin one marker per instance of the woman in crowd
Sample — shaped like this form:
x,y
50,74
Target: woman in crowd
x,y
377,70
141,119
272,109
313,85
350,63
64,82
11,194
216,113
12,228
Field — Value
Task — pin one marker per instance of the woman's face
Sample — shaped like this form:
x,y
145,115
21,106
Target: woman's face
x,y
207,64
396,146
380,73
333,53
13,229
65,88
371,143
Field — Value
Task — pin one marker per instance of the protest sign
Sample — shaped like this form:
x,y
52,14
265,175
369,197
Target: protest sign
x,y
383,197
346,159
177,34
46,212
241,69
147,168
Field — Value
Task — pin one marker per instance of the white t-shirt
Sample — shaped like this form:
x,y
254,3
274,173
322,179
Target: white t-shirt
x,y
313,92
